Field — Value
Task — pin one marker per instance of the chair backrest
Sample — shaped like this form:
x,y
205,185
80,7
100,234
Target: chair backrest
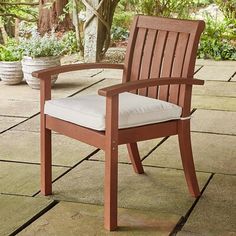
x,y
162,47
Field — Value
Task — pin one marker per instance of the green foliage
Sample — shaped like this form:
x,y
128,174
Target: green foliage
x,y
127,9
16,9
202,3
218,40
48,45
228,7
123,18
37,46
178,8
10,51
121,24
69,43
211,48
119,33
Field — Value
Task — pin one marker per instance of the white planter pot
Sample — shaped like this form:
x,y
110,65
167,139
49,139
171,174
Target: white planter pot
x,y
11,72
30,65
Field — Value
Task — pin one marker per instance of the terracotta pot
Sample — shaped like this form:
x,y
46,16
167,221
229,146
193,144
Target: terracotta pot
x,y
30,65
11,72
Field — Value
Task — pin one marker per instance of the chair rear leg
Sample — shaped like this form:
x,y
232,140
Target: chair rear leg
x,y
135,158
46,161
187,157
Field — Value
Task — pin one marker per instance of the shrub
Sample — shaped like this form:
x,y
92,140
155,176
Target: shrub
x,y
228,7
10,51
217,40
48,45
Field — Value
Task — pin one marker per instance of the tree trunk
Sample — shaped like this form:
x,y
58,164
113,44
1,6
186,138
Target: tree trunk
x,y
97,28
49,17
4,34
104,37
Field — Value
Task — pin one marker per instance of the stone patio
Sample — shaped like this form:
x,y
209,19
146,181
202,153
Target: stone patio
x,y
156,203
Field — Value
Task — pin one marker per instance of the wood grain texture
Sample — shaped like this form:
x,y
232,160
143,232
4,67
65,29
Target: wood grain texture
x,y
111,164
45,141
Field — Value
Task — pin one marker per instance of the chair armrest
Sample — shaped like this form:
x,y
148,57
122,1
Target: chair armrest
x,y
133,85
47,73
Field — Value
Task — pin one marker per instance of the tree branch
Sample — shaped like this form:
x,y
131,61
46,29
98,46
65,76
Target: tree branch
x,y
18,17
20,3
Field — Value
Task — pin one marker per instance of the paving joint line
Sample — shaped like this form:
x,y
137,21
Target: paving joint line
x,y
19,123
232,77
195,72
89,86
206,109
103,161
216,96
153,149
15,194
162,141
173,168
182,222
207,132
71,168
9,116
99,72
31,163
35,217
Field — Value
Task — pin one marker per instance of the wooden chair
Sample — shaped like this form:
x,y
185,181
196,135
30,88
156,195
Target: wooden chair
x,y
158,68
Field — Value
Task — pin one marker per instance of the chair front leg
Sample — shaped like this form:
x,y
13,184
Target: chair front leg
x,y
187,157
111,164
46,162
45,141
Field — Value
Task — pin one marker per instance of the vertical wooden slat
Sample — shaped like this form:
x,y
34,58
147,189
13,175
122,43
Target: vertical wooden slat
x,y
168,63
111,163
188,71
178,65
130,50
137,56
147,58
157,60
189,64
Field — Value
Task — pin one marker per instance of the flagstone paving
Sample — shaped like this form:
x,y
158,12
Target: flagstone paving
x,y
16,108
7,122
218,89
216,73
215,213
16,210
153,190
66,84
110,74
32,125
66,151
86,219
221,122
22,179
155,203
212,153
214,103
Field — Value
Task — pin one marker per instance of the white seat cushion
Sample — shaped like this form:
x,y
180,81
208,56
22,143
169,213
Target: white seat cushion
x,y
134,110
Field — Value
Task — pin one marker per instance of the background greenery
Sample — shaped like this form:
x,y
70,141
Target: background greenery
x,y
218,40
20,20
